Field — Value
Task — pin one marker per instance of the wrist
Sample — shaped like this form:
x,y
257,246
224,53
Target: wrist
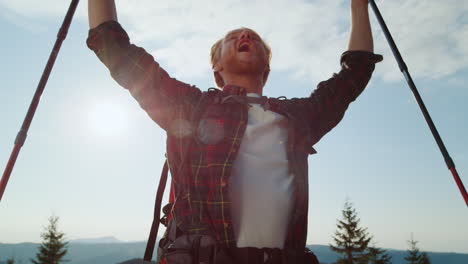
x,y
359,11
359,6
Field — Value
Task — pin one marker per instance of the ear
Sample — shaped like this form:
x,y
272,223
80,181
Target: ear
x,y
217,67
265,74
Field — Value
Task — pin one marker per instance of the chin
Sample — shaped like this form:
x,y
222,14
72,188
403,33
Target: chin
x,y
249,69
248,65
244,64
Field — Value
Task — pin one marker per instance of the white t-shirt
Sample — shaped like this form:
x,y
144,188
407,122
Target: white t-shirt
x,y
260,187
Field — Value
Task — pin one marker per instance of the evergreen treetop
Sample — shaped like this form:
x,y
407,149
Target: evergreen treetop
x,y
351,240
414,255
53,247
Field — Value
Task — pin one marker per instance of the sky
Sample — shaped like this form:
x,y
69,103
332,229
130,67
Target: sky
x,y
93,157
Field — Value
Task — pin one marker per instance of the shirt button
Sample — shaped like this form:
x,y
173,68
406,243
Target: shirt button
x,y
226,225
223,184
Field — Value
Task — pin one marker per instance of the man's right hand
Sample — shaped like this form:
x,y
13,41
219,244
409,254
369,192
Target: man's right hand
x,y
100,11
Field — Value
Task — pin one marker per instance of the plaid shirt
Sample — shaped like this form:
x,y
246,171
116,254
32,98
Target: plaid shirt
x,y
205,129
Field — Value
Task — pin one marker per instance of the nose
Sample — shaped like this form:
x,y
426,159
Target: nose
x,y
245,34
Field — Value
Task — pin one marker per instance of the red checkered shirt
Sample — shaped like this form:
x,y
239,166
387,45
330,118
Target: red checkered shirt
x,y
205,129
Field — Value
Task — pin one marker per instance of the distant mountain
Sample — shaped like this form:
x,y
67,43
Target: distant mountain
x,y
99,240
78,253
117,252
327,256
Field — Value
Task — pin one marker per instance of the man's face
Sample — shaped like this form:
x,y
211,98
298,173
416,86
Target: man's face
x,y
243,52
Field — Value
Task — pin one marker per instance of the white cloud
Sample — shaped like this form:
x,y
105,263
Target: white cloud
x,y
41,9
33,15
307,36
304,41
430,34
180,56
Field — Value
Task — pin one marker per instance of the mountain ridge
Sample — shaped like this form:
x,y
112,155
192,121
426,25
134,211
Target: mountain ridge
x,y
116,252
97,240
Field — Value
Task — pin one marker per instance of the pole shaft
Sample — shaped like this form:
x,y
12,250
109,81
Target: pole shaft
x,y
422,106
22,134
8,169
459,182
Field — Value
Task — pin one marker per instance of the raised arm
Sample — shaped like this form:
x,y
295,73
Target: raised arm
x,y
327,104
100,11
361,33
165,99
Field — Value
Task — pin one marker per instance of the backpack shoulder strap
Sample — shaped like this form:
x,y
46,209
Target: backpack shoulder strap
x,y
157,209
162,182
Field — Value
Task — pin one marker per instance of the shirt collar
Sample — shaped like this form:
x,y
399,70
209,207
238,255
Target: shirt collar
x,y
237,90
234,90
256,95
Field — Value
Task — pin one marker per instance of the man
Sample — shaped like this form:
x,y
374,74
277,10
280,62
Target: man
x,y
238,159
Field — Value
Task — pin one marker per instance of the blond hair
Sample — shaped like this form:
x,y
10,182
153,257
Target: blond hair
x,y
215,55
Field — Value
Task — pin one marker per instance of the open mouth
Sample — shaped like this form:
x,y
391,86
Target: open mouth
x,y
244,46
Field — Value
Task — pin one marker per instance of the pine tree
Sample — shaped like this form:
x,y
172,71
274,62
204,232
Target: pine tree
x,y
351,241
53,247
378,256
10,261
414,256
424,259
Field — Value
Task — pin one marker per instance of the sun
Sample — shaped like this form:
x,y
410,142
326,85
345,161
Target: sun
x,y
108,119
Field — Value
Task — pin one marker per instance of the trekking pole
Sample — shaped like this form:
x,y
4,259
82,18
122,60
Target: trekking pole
x,y
404,70
22,134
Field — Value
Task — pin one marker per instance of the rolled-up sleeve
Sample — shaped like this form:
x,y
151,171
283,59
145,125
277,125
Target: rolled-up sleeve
x,y
161,96
326,105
